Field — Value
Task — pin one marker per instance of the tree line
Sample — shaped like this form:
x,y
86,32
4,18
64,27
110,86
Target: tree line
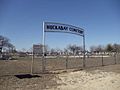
x,y
108,48
7,46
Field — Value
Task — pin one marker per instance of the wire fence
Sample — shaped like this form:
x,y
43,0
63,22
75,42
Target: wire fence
x,y
23,64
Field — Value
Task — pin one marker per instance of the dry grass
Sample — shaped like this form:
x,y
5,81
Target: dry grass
x,y
23,65
8,70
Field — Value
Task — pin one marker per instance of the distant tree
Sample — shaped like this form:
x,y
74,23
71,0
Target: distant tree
x,y
98,48
78,49
92,48
52,51
109,48
74,49
66,51
71,48
116,47
6,45
23,50
59,51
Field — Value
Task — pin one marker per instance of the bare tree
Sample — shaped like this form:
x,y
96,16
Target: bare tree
x,y
98,48
116,48
75,49
92,48
5,43
66,51
71,48
109,48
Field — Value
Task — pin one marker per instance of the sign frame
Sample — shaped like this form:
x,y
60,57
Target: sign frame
x,y
54,27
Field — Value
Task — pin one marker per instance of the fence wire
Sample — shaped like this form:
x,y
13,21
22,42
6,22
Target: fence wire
x,y
23,65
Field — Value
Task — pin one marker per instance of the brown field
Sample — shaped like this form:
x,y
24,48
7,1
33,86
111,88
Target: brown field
x,y
10,68
23,65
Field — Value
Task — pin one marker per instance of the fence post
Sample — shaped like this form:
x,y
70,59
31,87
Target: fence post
x,y
102,60
67,62
32,62
115,57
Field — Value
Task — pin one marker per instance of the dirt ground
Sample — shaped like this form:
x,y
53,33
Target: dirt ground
x,y
35,83
90,78
96,78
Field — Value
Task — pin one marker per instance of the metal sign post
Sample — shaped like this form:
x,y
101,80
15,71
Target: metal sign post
x,y
84,61
43,55
32,61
